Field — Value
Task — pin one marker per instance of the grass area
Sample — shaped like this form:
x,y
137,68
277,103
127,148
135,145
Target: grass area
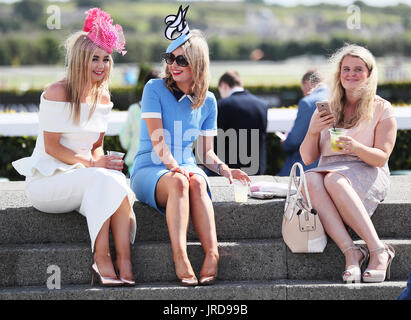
x,y
253,73
142,15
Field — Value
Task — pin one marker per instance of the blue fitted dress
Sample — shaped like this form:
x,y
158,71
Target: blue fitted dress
x,y
182,125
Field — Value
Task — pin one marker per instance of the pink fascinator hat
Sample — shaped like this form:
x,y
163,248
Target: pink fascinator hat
x,y
102,32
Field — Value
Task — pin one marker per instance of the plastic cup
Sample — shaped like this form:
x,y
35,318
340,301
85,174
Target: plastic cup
x,y
116,154
335,134
240,191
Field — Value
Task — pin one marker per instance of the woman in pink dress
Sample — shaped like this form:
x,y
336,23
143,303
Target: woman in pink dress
x,y
348,184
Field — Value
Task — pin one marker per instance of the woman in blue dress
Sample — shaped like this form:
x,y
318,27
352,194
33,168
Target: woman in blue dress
x,y
176,111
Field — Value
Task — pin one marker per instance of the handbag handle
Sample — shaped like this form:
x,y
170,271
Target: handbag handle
x,y
302,183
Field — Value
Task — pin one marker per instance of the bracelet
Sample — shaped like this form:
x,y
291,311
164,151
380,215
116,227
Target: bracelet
x,y
91,162
218,168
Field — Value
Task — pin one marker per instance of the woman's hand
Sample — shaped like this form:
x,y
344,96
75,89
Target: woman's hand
x,y
320,121
231,174
182,171
348,144
109,162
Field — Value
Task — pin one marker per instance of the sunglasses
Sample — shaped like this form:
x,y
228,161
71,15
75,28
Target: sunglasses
x,y
169,58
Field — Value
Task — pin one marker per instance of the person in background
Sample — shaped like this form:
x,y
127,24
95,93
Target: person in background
x,y
406,293
129,134
350,182
239,110
314,90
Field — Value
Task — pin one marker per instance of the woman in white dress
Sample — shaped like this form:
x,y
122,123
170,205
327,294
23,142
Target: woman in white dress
x,y
68,169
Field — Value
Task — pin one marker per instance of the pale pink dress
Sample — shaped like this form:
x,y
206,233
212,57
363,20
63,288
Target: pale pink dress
x,y
371,183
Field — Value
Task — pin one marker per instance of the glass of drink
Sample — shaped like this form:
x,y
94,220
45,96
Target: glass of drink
x,y
116,154
240,191
335,134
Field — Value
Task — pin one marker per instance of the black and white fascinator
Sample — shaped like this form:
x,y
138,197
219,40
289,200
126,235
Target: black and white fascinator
x,y
177,29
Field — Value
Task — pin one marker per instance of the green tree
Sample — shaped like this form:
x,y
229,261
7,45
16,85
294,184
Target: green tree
x,y
5,54
156,24
89,3
49,51
360,4
255,1
29,10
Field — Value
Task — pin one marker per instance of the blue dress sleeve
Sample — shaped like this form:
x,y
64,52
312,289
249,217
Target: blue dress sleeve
x,y
300,127
150,102
209,126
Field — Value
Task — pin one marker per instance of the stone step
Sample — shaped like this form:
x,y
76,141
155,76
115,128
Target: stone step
x,y
152,261
20,223
241,290
26,265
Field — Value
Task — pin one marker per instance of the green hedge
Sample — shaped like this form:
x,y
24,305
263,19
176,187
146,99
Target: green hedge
x,y
17,147
123,97
14,148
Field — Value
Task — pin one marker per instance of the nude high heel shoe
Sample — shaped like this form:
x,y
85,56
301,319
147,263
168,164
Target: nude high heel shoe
x,y
207,280
104,281
371,275
353,274
126,282
188,282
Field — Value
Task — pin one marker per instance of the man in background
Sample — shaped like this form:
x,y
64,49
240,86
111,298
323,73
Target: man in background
x,y
313,90
242,124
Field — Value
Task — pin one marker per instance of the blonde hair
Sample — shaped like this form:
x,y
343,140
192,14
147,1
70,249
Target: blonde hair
x,y
79,56
366,92
197,54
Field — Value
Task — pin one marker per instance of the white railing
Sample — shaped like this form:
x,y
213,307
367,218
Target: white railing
x,y
283,119
26,124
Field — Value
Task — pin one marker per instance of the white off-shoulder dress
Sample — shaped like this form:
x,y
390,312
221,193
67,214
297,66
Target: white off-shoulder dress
x,y
56,187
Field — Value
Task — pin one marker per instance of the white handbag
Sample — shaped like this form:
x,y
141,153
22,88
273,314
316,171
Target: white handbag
x,y
301,228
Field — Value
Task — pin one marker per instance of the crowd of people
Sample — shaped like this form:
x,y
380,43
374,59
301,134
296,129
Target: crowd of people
x,y
68,169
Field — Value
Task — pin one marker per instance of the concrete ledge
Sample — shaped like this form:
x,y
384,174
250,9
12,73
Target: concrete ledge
x,y
20,223
245,290
22,265
329,265
255,263
313,290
